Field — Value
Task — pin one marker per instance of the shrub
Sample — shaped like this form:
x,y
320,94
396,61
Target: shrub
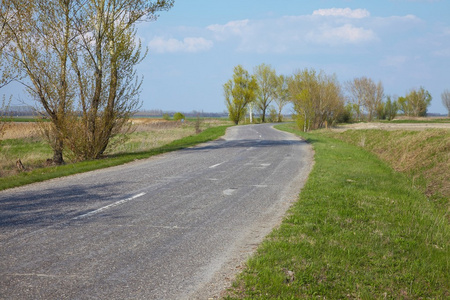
x,y
178,116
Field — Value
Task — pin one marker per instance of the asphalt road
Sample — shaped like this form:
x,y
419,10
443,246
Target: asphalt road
x,y
176,226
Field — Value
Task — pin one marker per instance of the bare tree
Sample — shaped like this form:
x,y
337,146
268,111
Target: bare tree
x,y
366,95
445,96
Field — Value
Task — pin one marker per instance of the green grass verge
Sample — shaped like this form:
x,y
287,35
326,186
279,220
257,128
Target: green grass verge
x,y
42,174
360,230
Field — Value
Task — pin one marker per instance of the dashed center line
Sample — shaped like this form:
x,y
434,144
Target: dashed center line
x,y
108,207
216,165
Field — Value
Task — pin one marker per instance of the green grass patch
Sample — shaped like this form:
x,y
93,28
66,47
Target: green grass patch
x,y
41,174
422,155
360,230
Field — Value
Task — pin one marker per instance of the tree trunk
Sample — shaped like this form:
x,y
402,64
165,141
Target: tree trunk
x,y
58,152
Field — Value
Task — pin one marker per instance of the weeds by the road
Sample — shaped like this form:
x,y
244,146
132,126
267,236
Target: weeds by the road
x,y
360,230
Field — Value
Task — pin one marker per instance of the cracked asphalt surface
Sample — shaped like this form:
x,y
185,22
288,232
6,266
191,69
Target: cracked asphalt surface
x,y
175,226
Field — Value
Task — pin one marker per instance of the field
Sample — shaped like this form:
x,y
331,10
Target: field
x,y
21,140
361,229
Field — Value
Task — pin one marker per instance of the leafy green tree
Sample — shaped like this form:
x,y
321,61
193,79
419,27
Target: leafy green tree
x,y
445,96
178,116
415,103
390,108
79,58
317,98
273,114
239,92
267,80
381,111
281,97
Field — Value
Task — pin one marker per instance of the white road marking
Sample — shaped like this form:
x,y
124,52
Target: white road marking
x,y
265,165
229,192
108,207
216,165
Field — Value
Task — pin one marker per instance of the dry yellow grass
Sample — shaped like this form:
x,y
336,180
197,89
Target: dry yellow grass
x,y
424,155
20,130
23,141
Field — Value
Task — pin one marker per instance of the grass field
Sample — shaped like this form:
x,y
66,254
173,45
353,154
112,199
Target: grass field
x,y
360,230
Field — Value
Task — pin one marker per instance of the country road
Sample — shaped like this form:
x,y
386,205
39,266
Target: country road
x,y
175,226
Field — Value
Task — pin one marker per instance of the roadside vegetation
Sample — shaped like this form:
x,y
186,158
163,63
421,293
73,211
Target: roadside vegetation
x,y
149,137
319,100
360,230
422,155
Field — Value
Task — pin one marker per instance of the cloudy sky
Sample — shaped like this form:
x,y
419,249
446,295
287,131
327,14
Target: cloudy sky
x,y
194,47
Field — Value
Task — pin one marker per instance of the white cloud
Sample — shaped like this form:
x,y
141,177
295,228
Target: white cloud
x,y
188,44
343,12
235,28
346,34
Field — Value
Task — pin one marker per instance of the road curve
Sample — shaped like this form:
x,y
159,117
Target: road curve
x,y
175,226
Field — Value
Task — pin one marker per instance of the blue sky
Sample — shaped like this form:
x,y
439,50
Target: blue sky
x,y
194,47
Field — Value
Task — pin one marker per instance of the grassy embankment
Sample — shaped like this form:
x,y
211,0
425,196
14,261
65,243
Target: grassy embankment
x,y
147,140
360,230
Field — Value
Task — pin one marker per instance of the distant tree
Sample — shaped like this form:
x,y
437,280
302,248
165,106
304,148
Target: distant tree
x,y
281,97
267,80
415,103
367,96
381,111
273,115
239,92
178,116
445,96
390,108
317,98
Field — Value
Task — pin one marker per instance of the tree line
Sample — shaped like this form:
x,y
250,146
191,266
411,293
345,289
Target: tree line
x,y
318,98
77,59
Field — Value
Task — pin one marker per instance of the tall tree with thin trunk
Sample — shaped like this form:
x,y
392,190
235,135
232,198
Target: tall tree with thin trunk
x,y
267,80
41,38
239,92
281,96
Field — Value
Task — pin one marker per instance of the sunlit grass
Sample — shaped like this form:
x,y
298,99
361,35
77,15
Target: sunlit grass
x,y
360,230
